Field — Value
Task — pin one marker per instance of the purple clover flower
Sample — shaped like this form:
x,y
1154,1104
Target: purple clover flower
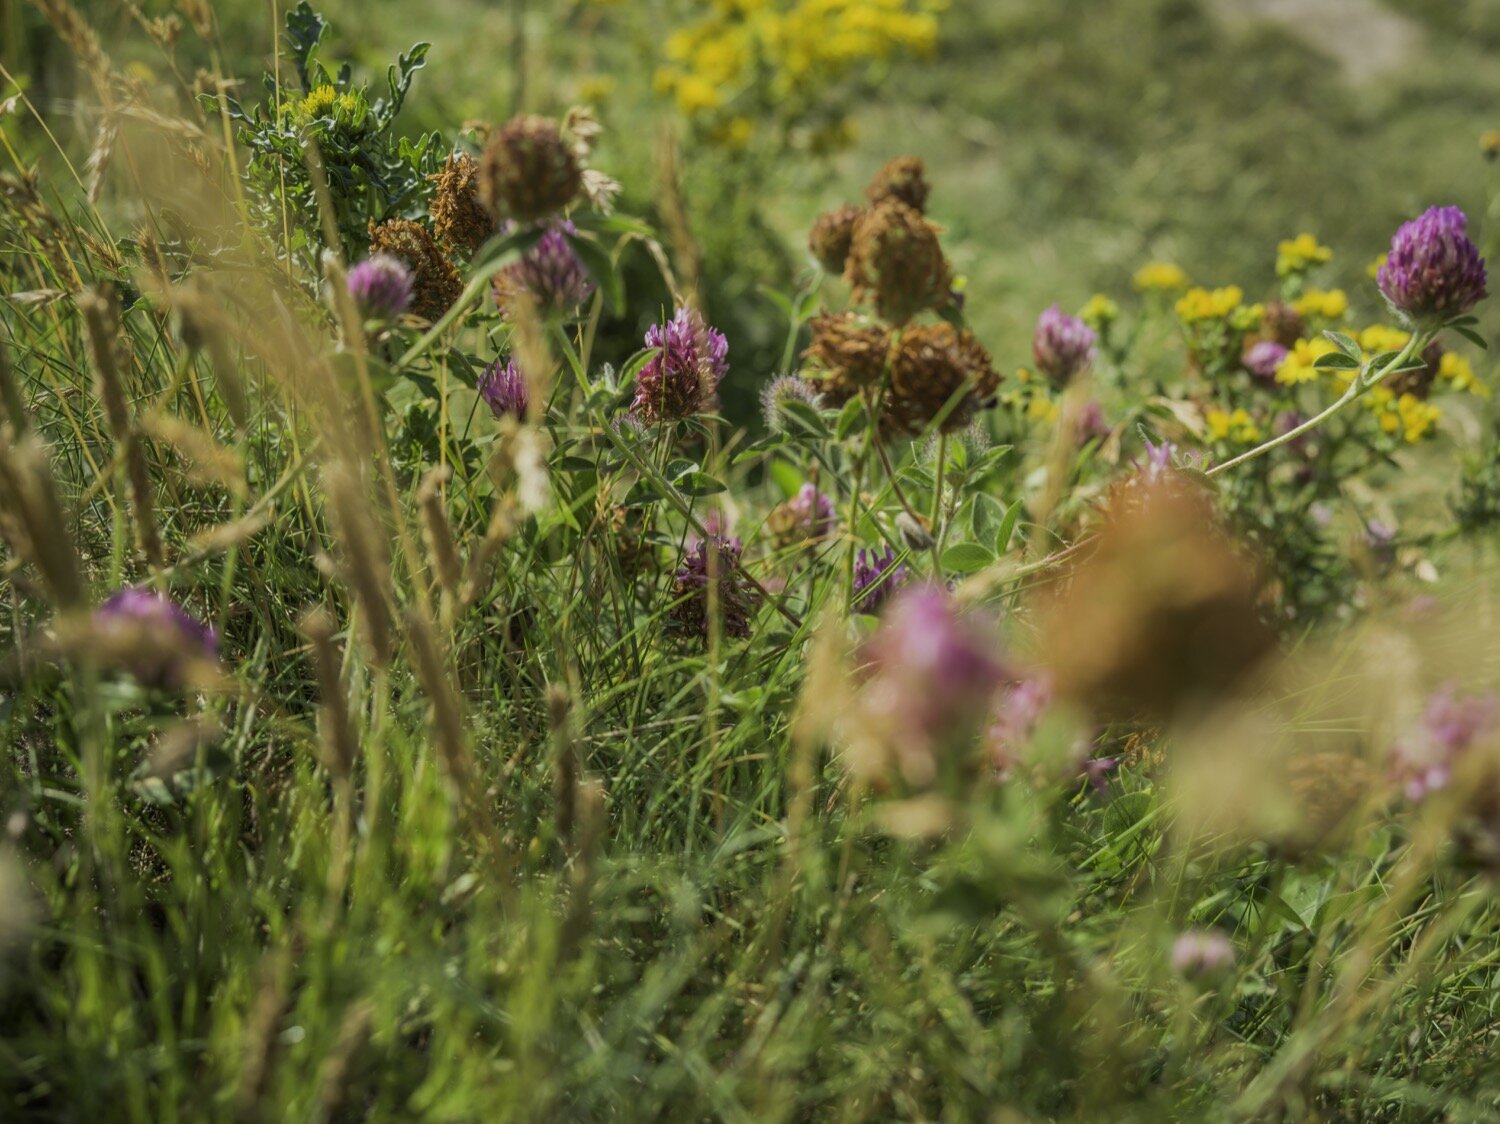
x,y
1063,346
876,578
812,512
683,377
1433,271
157,638
1424,760
1202,954
381,286
503,388
1019,709
551,273
714,561
931,677
1263,359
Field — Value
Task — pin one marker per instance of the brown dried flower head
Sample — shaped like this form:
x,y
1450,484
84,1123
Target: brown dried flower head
x,y
933,363
1283,323
436,283
846,354
458,217
1418,381
529,171
896,262
832,235
1161,613
905,179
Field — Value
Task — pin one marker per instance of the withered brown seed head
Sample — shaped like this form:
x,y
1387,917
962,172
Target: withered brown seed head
x,y
896,262
846,353
905,179
528,171
1161,613
831,236
436,283
458,217
933,363
1283,324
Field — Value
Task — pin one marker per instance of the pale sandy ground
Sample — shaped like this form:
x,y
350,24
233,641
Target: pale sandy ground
x,y
1366,38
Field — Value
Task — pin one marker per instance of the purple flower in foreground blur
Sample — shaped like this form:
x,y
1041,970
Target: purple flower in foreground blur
x,y
1018,711
154,637
683,377
1433,269
711,570
551,273
1089,423
381,286
1424,760
1263,358
931,676
1201,954
1062,346
810,513
876,577
503,388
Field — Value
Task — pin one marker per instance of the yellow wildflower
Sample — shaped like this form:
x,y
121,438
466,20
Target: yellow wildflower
x,y
1161,277
1236,425
1459,374
1299,364
319,102
1209,304
1099,311
1330,305
1297,255
1378,338
1372,271
1405,415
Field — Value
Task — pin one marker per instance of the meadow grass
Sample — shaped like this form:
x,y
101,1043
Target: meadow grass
x,y
461,825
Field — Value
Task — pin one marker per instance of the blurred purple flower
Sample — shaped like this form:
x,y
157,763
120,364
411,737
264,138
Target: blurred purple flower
x,y
1018,711
1201,954
381,286
551,273
156,638
1423,760
1263,358
1063,345
1433,270
683,377
812,511
503,388
930,678
876,577
1089,422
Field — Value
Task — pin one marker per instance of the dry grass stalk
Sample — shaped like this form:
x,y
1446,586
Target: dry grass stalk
x,y
442,551
365,563
37,526
336,725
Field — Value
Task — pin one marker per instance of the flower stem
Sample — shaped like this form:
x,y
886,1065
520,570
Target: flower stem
x,y
1361,382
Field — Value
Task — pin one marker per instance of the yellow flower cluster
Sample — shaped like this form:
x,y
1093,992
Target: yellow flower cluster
x,y
784,49
1457,372
1161,277
1378,337
1406,414
1299,366
1329,305
326,101
1237,426
1209,304
1099,311
1299,254
1028,396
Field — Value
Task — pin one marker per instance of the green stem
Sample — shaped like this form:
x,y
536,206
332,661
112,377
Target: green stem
x,y
1361,382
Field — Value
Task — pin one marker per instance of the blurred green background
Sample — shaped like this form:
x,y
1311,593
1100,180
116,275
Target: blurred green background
x,y
1068,140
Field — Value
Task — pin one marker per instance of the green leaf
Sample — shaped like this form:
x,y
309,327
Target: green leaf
x,y
988,517
852,419
1472,336
501,250
805,419
1346,344
967,557
1336,361
1008,528
701,484
602,269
